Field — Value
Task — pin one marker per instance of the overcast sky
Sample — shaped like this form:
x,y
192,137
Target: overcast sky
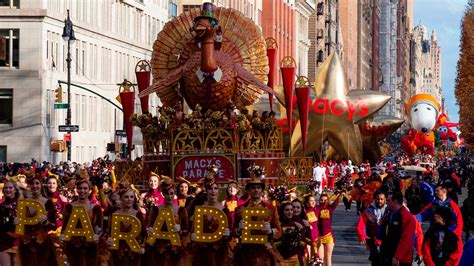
x,y
444,16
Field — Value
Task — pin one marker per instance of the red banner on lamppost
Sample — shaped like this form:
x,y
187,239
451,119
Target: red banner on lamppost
x,y
303,87
127,97
288,70
272,47
143,73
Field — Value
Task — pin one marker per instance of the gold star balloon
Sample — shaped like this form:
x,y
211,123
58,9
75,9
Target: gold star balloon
x,y
334,113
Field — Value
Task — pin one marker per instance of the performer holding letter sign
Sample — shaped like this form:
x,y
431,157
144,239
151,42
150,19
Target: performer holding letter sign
x,y
170,225
128,230
35,217
211,232
82,226
257,224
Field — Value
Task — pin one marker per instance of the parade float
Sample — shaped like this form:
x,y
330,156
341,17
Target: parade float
x,y
209,68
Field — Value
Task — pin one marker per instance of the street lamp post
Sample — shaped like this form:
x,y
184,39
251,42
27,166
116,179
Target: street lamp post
x,y
68,36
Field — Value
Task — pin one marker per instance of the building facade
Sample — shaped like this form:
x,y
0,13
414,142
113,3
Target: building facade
x,y
323,31
426,60
250,8
278,22
304,9
388,57
111,37
348,21
404,20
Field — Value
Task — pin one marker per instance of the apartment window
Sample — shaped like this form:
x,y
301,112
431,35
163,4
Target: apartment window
x,y
6,106
3,153
190,7
10,3
172,10
9,48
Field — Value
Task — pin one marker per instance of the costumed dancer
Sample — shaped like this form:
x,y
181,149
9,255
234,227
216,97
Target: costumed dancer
x,y
163,253
312,213
79,252
35,246
257,254
331,174
152,197
214,253
184,199
326,235
58,200
8,207
232,201
128,203
300,217
292,241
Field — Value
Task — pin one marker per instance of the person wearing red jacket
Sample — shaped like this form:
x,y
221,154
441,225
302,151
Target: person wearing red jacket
x,y
442,201
398,231
438,243
368,225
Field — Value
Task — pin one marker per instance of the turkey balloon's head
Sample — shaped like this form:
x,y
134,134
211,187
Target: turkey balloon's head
x,y
204,24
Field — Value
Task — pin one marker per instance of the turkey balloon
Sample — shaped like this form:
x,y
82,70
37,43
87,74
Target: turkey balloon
x,y
213,57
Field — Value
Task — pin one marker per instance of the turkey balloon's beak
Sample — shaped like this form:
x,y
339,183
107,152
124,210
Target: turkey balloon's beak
x,y
200,29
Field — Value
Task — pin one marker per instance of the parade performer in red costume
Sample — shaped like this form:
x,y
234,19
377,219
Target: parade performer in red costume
x,y
183,188
257,254
163,253
326,235
293,239
8,207
312,213
58,200
124,255
332,171
300,217
153,196
232,201
78,251
36,247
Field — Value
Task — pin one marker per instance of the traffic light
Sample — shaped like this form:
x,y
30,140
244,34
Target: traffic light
x,y
59,95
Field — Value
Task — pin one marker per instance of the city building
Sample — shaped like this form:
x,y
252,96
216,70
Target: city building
x,y
324,34
250,8
111,37
348,24
426,60
304,9
404,20
368,69
388,57
278,22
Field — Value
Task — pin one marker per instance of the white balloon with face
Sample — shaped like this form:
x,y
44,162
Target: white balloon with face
x,y
423,116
